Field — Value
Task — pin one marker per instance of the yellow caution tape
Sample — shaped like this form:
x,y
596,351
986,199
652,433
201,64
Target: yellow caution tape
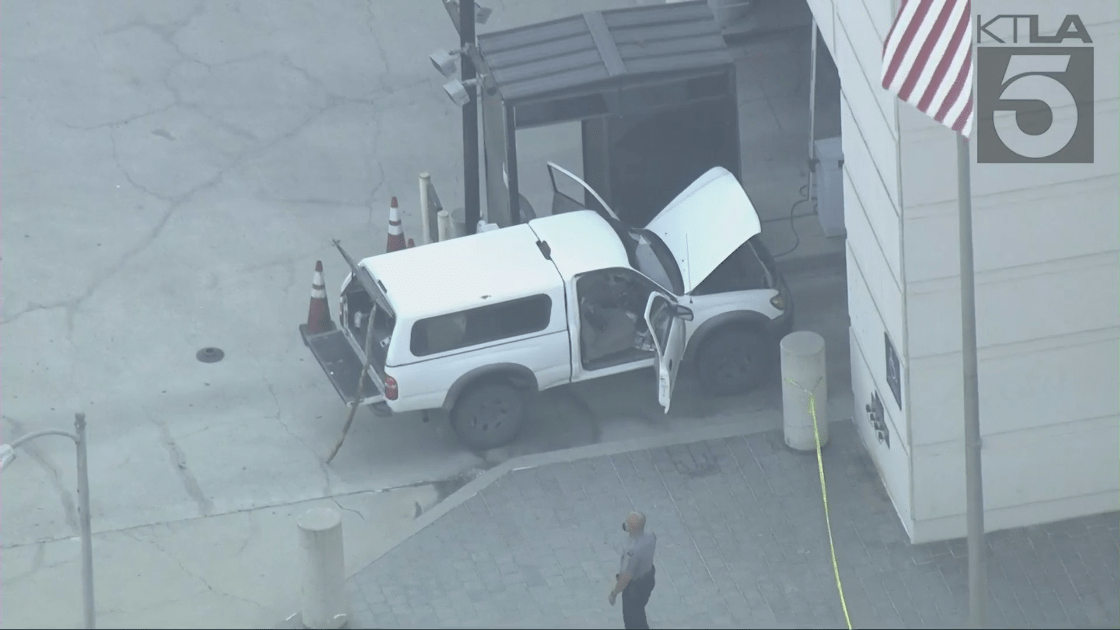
x,y
824,498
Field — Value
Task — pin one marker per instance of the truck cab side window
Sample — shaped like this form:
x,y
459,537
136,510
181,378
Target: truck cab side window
x,y
612,324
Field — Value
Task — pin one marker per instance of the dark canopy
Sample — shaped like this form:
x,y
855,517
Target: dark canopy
x,y
653,87
603,50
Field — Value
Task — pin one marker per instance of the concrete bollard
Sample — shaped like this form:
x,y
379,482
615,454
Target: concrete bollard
x,y
803,373
443,223
324,569
425,209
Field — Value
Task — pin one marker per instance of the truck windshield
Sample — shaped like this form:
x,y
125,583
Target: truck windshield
x,y
652,258
649,255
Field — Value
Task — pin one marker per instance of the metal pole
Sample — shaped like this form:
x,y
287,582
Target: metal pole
x,y
977,577
471,203
79,439
812,107
83,516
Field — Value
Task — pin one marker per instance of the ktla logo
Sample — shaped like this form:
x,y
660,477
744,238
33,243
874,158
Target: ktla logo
x,y
1034,102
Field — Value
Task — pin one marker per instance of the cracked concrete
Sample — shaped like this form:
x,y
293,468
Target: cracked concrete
x,y
232,570
179,465
328,489
256,96
172,171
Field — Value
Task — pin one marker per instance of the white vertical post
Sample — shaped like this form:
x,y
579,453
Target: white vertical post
x,y
425,209
443,223
804,383
324,569
973,468
88,610
812,107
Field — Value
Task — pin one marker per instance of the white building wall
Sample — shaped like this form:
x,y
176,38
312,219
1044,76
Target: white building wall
x,y
824,11
1047,256
1047,260
854,32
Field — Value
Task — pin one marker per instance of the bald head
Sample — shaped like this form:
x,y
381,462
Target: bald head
x,y
635,522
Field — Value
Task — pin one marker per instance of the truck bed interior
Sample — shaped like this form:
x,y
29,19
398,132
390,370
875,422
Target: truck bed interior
x,y
359,309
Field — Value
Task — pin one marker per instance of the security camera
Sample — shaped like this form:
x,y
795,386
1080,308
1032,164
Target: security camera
x,y
445,60
481,13
458,93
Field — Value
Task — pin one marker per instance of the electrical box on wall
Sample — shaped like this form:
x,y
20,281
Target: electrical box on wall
x,y
828,185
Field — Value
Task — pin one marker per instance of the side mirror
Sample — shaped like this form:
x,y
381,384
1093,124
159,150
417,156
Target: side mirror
x,y
684,313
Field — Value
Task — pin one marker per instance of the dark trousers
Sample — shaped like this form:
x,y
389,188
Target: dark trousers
x,y
634,599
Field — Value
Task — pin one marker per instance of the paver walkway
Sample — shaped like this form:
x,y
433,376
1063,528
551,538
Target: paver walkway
x,y
741,543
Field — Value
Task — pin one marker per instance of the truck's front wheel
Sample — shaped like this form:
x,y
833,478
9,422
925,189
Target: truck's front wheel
x,y
733,361
489,415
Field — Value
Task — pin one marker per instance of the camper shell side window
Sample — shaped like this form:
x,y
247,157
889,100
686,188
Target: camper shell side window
x,y
477,326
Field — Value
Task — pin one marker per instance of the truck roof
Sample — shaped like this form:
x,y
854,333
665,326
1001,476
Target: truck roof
x,y
581,241
495,266
463,272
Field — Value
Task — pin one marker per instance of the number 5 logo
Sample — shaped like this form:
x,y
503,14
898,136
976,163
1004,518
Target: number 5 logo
x,y
1028,79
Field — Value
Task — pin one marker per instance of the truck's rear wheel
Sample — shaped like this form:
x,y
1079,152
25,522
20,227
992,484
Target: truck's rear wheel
x,y
489,415
733,361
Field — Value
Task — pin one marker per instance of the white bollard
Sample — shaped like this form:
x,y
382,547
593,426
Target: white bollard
x,y
458,222
443,223
425,209
803,373
324,569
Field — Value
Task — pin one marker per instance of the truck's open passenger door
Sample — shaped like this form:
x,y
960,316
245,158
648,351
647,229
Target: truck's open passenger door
x,y
666,323
570,193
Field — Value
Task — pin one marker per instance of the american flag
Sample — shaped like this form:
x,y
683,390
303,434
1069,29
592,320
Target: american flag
x,y
927,60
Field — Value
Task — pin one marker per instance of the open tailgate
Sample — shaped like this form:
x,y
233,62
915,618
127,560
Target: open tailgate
x,y
343,367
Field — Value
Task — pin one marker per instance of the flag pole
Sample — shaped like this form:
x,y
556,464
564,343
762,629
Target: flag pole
x,y
977,551
921,27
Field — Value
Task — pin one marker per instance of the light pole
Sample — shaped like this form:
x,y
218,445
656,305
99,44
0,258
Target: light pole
x,y
8,453
465,14
471,203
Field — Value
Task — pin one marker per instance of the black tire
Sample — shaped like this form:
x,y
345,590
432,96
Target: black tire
x,y
734,361
489,415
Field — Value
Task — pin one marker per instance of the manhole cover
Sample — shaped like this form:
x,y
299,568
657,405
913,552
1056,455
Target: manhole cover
x,y
210,355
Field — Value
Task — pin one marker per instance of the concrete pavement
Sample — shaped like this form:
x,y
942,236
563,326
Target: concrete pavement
x,y
232,570
742,542
171,171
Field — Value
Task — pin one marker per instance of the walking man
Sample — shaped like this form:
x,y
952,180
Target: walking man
x,y
635,574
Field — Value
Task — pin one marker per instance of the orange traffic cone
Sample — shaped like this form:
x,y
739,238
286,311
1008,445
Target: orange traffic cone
x,y
395,240
319,313
411,243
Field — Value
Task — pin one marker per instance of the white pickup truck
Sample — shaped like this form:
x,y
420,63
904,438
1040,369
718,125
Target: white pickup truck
x,y
476,325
